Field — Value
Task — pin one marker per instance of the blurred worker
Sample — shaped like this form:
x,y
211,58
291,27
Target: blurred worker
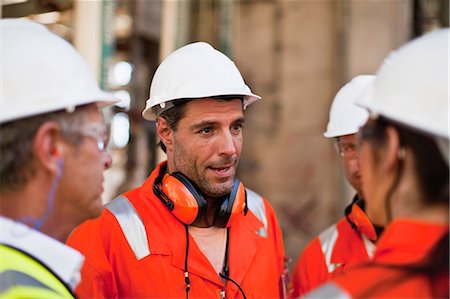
x,y
350,240
192,229
52,158
405,168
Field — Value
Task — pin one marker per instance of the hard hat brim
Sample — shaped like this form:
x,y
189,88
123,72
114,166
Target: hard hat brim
x,y
149,112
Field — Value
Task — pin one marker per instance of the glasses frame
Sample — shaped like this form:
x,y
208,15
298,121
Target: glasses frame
x,y
100,132
350,150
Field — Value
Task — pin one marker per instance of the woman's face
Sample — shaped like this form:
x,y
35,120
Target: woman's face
x,y
373,178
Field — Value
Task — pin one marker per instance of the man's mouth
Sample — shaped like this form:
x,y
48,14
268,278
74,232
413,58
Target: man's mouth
x,y
221,168
226,170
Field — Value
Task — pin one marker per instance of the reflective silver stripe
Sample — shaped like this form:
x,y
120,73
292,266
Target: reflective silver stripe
x,y
328,290
328,240
11,278
369,245
131,225
256,205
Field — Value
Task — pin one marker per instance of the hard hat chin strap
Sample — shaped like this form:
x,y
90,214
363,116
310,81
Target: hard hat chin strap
x,y
37,223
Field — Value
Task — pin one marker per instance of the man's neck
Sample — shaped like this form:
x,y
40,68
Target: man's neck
x,y
211,210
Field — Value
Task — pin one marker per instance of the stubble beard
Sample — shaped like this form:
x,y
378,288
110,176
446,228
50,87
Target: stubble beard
x,y
216,189
210,188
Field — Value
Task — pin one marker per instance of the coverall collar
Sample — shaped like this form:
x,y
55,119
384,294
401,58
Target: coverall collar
x,y
243,244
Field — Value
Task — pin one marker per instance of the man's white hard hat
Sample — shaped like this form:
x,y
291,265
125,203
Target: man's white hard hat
x,y
412,87
41,72
195,71
345,117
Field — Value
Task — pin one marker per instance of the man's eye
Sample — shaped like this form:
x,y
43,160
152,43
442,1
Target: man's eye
x,y
349,147
237,128
206,130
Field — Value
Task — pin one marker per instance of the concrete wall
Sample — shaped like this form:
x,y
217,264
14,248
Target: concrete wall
x,y
296,54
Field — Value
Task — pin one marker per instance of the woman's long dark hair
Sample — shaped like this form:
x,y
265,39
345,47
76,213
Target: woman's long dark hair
x,y
433,178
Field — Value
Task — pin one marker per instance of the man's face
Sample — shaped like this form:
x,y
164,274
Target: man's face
x,y
350,160
84,164
208,143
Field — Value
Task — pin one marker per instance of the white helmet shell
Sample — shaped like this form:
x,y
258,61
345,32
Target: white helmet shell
x,y
41,73
195,71
345,116
412,85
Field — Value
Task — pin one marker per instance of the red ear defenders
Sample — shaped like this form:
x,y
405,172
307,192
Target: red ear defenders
x,y
182,196
359,221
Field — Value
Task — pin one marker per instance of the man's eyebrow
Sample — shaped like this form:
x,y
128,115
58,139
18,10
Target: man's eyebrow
x,y
240,120
202,124
209,123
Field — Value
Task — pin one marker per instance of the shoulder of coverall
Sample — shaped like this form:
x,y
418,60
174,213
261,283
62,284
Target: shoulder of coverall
x,y
134,230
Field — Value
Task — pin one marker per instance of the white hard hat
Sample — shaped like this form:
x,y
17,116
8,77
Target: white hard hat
x,y
345,116
412,86
41,72
195,71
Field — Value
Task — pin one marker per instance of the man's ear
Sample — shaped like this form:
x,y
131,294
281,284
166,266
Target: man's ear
x,y
392,149
47,146
165,133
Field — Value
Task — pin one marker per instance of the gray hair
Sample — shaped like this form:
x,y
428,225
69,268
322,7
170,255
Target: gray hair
x,y
16,144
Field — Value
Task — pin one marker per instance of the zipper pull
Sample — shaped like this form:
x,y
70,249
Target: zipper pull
x,y
222,294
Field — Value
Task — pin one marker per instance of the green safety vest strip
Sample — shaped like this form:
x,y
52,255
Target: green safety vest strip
x,y
11,278
21,276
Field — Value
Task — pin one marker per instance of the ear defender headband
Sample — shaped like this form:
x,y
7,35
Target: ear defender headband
x,y
359,220
181,196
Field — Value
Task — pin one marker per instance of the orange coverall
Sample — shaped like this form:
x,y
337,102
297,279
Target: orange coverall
x,y
404,243
116,267
332,252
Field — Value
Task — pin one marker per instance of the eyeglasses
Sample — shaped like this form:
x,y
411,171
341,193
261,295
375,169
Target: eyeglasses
x,y
348,150
99,132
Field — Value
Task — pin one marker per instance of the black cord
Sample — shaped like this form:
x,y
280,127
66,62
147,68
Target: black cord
x,y
228,278
186,273
226,270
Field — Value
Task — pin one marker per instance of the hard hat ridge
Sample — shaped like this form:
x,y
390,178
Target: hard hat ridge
x,y
195,71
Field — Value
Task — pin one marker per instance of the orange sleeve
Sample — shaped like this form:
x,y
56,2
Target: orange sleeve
x,y
97,277
310,270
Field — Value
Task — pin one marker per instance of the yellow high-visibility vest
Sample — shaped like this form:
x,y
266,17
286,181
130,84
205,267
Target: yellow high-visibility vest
x,y
21,276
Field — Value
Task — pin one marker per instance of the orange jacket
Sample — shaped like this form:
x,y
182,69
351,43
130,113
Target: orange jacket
x,y
149,261
332,252
403,243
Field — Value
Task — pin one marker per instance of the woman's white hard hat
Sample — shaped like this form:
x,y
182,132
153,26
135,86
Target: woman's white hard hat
x,y
412,87
195,71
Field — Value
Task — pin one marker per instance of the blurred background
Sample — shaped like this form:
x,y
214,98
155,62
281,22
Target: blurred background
x,y
296,54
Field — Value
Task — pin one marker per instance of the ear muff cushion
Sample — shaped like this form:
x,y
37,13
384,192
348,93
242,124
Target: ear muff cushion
x,y
232,205
189,204
362,222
